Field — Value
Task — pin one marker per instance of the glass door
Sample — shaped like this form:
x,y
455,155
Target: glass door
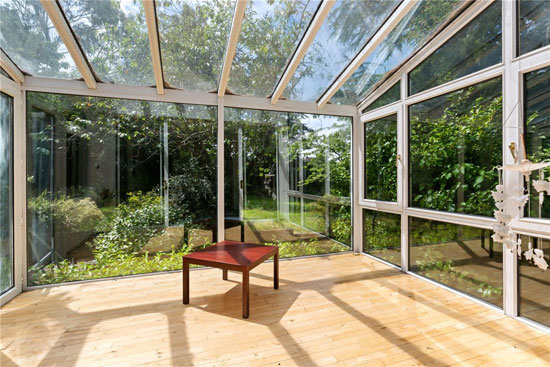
x,y
10,275
6,194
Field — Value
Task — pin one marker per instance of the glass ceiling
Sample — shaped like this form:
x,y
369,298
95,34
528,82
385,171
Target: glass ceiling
x,y
114,37
409,35
194,37
29,38
270,33
348,27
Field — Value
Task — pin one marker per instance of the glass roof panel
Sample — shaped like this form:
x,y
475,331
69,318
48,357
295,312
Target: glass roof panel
x,y
348,27
193,38
114,38
410,34
270,33
29,38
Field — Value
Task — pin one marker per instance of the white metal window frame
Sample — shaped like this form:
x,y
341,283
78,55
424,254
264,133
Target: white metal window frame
x,y
12,88
511,71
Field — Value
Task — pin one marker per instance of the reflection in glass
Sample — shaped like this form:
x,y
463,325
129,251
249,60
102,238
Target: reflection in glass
x,y
116,187
348,27
534,283
113,35
380,159
537,133
382,235
29,38
412,32
6,193
266,156
193,38
393,94
476,46
533,24
260,61
461,257
455,142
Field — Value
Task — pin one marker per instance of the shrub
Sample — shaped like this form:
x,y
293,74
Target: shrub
x,y
133,224
72,214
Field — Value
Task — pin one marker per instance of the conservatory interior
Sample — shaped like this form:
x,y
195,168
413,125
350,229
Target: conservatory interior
x,y
397,152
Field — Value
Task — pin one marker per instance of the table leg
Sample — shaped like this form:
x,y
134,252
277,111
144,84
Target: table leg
x,y
276,270
224,274
185,272
246,291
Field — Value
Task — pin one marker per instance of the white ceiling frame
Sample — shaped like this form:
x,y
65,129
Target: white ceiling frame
x,y
403,9
238,17
308,38
154,44
10,68
77,87
62,27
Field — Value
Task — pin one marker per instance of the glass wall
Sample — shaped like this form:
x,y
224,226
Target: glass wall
x,y
537,134
393,94
533,25
380,159
455,141
382,235
461,257
6,193
534,283
476,46
116,187
287,180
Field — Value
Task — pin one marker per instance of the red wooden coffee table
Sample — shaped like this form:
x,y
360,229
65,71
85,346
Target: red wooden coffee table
x,y
231,255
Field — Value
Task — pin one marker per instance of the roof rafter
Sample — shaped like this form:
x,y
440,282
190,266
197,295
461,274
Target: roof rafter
x,y
403,9
308,38
10,68
238,17
58,19
154,44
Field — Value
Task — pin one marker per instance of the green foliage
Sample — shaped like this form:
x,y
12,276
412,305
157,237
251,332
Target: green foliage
x,y
72,214
134,223
380,159
129,264
453,152
340,223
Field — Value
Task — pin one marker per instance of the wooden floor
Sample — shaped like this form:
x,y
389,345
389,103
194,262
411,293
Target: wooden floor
x,y
341,310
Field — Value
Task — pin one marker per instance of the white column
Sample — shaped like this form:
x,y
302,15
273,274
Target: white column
x,y
511,133
220,168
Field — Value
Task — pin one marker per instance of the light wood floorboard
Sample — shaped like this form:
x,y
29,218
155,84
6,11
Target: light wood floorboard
x,y
340,310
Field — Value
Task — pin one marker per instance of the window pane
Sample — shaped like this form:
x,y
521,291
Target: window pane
x,y
537,133
476,46
263,203
412,32
391,95
461,257
193,40
380,172
4,73
32,42
348,27
533,24
114,38
382,235
455,142
6,193
380,157
116,187
534,283
260,61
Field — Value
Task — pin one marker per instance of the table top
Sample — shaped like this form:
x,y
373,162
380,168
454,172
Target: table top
x,y
233,253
